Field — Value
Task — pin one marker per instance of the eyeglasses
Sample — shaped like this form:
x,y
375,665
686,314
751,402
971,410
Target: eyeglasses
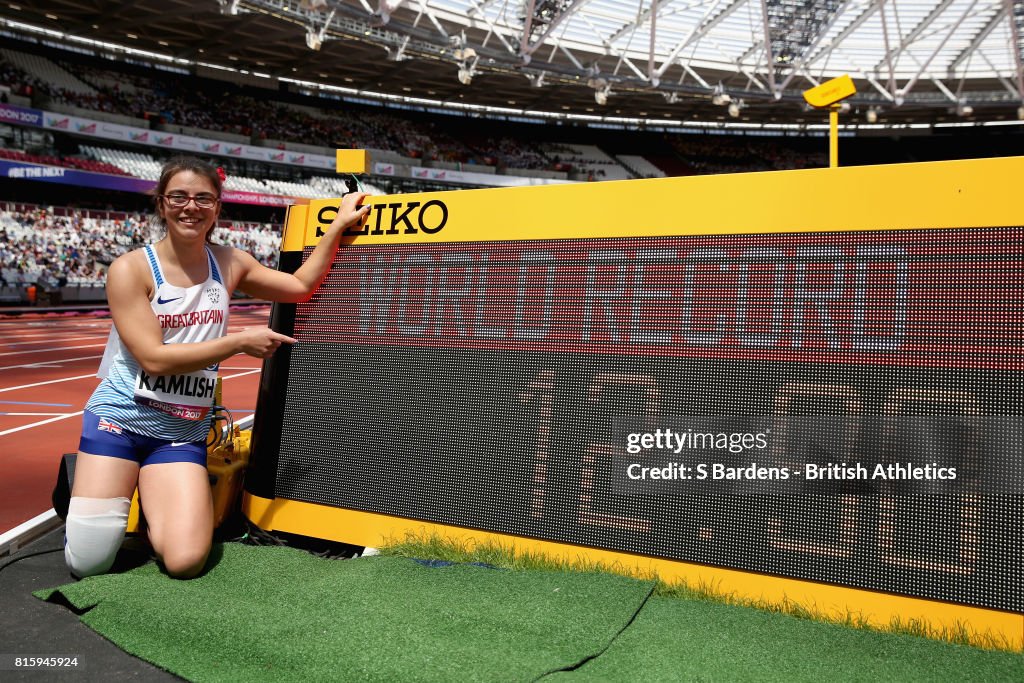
x,y
180,200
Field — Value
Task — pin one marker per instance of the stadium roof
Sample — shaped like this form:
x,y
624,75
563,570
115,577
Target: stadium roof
x,y
923,61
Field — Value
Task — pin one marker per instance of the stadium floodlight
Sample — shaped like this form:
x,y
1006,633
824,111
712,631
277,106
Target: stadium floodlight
x,y
872,115
468,58
396,53
964,109
601,89
315,37
719,97
1020,112
229,7
734,109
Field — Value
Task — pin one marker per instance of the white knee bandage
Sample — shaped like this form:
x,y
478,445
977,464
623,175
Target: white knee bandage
x,y
93,533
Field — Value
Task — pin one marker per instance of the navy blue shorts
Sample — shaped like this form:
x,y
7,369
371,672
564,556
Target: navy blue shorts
x,y
101,436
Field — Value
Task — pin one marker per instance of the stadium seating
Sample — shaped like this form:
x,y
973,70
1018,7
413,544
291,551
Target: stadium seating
x,y
148,168
70,162
640,166
130,163
164,100
52,246
59,247
208,109
46,71
587,162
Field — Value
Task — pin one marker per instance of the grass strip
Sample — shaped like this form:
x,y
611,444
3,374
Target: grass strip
x,y
272,613
507,556
692,640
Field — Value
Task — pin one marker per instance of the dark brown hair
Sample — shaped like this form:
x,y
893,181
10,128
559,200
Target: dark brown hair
x,y
180,164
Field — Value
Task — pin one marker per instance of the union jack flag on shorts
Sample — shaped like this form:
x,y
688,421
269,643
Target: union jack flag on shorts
x,y
106,425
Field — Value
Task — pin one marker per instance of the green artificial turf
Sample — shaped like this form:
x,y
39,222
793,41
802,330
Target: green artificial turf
x,y
271,613
508,556
687,640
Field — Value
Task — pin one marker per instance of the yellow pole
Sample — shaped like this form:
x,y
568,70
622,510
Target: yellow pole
x,y
833,136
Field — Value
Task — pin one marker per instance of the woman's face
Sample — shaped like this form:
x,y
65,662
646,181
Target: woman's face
x,y
190,221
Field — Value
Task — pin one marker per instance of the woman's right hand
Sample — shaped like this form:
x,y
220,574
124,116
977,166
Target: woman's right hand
x,y
260,342
350,212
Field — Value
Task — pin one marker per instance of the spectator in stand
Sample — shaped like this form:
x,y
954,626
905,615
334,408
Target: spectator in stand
x,y
724,154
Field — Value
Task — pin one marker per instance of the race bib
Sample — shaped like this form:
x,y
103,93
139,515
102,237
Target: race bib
x,y
188,396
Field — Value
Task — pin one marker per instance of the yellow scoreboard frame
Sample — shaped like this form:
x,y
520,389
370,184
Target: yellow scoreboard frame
x,y
972,193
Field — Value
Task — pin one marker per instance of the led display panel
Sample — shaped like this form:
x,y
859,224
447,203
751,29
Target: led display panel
x,y
839,406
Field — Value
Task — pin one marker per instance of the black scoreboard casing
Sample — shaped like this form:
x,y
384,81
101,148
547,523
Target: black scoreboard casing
x,y
490,383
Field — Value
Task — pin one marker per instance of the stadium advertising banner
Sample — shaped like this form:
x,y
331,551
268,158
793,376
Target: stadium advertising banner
x,y
239,197
69,176
22,116
184,143
737,380
204,146
469,177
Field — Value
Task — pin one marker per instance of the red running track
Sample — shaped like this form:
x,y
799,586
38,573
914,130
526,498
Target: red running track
x,y
48,368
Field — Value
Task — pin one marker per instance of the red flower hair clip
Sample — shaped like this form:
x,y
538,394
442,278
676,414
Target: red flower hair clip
x,y
222,174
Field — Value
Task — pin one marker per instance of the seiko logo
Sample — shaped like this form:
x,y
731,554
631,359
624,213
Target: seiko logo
x,y
391,219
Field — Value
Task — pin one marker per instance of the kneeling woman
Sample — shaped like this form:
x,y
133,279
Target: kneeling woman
x,y
146,423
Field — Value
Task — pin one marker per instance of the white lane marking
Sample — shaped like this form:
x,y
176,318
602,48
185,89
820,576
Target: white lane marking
x,y
52,340
67,415
51,364
52,381
243,374
48,363
56,336
28,414
41,423
38,525
92,328
248,371
61,348
56,324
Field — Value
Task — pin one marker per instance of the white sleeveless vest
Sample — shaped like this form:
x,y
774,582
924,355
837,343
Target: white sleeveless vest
x,y
172,407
